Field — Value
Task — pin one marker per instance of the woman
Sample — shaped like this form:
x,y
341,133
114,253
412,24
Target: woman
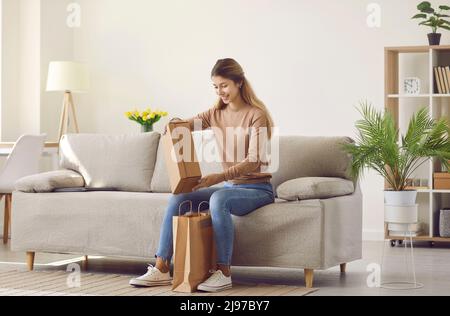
x,y
246,189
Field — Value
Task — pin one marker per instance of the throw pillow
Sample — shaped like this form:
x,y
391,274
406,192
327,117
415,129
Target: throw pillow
x,y
314,188
49,181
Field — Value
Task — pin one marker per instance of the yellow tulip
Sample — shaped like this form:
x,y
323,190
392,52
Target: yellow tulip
x,y
152,116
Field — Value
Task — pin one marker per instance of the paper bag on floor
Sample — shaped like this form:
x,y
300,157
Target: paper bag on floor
x,y
194,250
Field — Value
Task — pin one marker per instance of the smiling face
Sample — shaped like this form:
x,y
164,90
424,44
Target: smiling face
x,y
226,89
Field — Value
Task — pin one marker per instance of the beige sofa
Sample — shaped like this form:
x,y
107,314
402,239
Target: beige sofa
x,y
305,234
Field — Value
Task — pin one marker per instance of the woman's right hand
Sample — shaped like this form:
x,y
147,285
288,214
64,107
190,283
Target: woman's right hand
x,y
175,119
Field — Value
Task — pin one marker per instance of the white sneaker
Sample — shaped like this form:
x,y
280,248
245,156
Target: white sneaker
x,y
153,277
216,282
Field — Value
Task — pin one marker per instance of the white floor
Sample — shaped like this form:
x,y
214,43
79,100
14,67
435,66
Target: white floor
x,y
432,270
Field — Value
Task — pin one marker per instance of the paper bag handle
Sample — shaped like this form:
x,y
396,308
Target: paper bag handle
x,y
182,203
200,204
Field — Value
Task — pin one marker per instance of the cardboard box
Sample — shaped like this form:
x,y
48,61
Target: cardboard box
x,y
441,180
181,159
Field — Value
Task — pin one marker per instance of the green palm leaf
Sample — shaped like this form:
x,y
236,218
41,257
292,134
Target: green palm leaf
x,y
377,145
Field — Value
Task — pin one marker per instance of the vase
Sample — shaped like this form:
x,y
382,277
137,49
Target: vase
x,y
146,128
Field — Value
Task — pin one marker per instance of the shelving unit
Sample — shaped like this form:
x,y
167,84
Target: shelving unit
x,y
418,61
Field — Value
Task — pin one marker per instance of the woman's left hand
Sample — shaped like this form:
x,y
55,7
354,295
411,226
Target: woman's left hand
x,y
209,180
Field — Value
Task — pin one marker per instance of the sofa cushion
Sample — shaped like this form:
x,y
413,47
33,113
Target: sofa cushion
x,y
49,181
301,156
314,188
123,162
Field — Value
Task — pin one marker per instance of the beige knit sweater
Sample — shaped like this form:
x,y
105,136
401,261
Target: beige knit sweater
x,y
243,151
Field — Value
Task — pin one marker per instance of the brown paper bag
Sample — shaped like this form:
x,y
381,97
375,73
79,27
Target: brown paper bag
x,y
194,250
180,157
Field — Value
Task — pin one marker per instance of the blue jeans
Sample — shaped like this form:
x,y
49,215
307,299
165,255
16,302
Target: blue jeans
x,y
232,199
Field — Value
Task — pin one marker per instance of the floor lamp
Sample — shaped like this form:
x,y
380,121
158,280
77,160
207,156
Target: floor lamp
x,y
68,77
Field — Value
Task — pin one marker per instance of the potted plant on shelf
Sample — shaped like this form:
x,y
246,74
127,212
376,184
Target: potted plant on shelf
x,y
378,147
433,19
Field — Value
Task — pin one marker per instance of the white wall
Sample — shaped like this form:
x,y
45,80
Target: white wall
x,y
29,67
10,123
21,69
56,44
34,33
1,71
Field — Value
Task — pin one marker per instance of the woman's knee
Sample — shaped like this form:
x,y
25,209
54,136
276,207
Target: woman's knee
x,y
218,201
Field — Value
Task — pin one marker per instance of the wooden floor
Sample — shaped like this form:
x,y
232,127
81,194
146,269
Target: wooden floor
x,y
55,283
432,269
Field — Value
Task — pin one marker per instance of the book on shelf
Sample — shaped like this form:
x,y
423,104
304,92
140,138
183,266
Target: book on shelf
x,y
447,74
442,79
445,80
437,80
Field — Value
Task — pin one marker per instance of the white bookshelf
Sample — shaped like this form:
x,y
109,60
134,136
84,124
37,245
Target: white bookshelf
x,y
418,61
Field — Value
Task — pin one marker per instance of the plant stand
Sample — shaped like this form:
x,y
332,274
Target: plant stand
x,y
409,284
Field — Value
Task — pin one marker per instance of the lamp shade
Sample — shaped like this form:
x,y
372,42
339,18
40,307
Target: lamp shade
x,y
67,76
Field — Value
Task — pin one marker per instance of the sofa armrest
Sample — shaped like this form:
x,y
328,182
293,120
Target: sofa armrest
x,y
49,181
342,231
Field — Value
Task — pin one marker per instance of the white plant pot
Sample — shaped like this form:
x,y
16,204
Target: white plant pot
x,y
401,214
400,198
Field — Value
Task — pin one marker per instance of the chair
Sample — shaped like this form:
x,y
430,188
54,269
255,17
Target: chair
x,y
23,161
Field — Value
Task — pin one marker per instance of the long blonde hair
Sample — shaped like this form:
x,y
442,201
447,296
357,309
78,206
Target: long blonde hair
x,y
229,68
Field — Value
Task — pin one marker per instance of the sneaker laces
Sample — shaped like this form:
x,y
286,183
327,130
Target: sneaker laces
x,y
151,269
216,275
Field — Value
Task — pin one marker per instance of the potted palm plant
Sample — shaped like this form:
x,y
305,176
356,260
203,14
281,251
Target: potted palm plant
x,y
378,147
434,19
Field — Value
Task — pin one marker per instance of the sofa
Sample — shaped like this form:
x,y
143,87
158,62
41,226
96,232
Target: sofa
x,y
119,189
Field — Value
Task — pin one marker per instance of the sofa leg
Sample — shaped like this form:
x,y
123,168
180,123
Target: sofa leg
x,y
343,267
30,261
309,278
5,222
7,218
86,262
